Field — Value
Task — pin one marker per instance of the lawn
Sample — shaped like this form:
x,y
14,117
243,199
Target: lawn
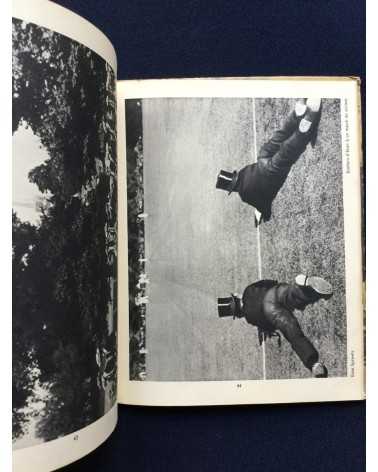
x,y
305,235
202,244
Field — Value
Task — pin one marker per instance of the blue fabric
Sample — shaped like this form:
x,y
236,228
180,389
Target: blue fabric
x,y
288,438
172,38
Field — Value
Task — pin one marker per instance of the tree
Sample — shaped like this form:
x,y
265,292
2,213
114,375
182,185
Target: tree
x,y
23,240
65,93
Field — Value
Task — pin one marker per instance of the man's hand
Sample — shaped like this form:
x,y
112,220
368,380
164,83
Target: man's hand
x,y
258,218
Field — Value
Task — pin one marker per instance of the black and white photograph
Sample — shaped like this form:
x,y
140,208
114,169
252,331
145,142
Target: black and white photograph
x,y
235,239
64,227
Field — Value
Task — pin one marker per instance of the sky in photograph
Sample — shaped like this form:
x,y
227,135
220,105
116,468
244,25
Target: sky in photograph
x,y
28,153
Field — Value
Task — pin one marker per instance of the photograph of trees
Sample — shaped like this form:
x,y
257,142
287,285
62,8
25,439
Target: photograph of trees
x,y
64,261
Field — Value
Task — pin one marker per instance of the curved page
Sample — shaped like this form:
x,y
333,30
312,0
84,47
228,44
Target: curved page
x,y
64,237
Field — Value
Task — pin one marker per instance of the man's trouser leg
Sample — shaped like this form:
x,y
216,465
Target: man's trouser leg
x,y
283,320
287,155
273,145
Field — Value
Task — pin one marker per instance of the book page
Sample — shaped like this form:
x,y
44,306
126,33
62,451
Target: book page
x,y
243,216
64,223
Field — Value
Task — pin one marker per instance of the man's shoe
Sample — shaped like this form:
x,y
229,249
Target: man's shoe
x,y
310,122
300,107
319,370
314,104
318,284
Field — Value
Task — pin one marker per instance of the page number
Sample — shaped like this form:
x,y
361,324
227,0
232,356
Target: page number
x,y
76,437
238,385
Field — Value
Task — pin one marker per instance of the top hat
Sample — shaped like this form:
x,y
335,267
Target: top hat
x,y
227,180
229,306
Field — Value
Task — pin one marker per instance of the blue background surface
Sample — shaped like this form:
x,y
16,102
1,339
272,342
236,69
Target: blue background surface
x,y
192,38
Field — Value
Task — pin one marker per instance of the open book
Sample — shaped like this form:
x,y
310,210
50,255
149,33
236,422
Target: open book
x,y
209,228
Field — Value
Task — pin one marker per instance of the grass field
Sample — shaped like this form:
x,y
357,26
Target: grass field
x,y
202,243
306,235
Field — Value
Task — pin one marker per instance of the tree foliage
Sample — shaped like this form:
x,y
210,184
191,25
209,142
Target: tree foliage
x,y
61,271
135,229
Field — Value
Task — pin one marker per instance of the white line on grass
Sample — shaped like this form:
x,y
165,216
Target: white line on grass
x,y
259,267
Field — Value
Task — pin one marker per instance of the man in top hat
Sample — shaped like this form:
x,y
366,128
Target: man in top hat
x,y
259,183
269,306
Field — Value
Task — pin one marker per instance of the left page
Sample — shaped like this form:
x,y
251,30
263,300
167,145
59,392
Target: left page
x,y
64,236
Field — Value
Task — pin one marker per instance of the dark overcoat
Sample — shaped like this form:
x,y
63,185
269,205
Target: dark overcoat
x,y
258,187
268,305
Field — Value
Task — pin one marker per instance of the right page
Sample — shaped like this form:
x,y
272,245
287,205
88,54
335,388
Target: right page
x,y
240,241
